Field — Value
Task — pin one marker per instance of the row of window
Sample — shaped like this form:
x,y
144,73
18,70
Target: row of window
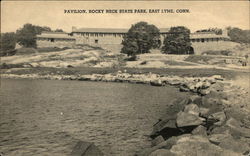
x,y
102,34
53,39
208,39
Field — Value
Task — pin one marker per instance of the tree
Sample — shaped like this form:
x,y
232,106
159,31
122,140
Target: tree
x,y
7,43
140,38
58,30
239,35
26,36
177,41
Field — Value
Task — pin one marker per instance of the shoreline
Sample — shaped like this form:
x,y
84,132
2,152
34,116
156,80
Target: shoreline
x,y
184,83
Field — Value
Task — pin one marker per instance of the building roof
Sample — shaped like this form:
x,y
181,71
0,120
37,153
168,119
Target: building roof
x,y
109,30
101,30
56,35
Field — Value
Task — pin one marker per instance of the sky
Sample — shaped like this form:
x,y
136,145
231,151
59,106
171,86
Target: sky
x,y
202,14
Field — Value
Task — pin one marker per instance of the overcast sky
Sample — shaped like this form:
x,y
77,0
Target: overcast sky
x,y
14,14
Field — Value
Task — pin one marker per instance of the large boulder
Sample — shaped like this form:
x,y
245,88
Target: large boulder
x,y
213,104
204,112
167,144
217,118
159,139
83,148
192,109
166,128
226,141
237,129
197,145
185,119
200,130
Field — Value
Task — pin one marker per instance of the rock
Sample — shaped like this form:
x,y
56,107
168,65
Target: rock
x,y
218,86
185,119
217,94
196,99
166,128
217,118
218,130
236,128
162,152
226,141
217,77
184,89
192,109
157,82
197,145
200,130
204,112
83,148
204,91
217,138
214,104
167,144
205,85
159,139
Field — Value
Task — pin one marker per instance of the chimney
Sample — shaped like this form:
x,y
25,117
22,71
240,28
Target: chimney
x,y
74,28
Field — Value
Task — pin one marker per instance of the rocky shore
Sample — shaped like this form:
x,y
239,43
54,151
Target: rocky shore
x,y
198,85
213,121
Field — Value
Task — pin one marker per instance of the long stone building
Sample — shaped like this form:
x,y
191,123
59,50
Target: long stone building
x,y
111,39
55,39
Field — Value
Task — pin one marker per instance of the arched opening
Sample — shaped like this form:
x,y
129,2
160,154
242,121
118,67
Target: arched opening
x,y
190,51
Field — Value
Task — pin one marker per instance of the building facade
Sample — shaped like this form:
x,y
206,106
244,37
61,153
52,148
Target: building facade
x,y
111,39
55,39
201,41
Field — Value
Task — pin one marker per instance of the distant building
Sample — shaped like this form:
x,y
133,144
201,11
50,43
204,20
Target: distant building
x,y
201,41
55,39
111,39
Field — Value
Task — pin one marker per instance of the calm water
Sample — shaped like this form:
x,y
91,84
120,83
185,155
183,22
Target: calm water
x,y
47,117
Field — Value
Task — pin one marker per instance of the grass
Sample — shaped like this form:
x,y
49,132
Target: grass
x,y
164,71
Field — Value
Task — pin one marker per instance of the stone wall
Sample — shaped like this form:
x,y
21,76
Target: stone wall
x,y
98,38
56,43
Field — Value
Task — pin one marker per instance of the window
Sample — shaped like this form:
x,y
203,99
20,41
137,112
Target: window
x,y
202,40
52,40
96,41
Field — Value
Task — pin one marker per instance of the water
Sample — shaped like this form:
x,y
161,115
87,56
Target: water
x,y
47,117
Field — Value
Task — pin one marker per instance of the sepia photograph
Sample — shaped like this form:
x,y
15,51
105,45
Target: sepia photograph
x,y
125,78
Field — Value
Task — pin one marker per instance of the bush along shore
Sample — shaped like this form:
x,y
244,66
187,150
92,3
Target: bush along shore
x,y
214,120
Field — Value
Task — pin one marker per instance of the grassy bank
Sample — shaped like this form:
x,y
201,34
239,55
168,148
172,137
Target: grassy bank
x,y
228,74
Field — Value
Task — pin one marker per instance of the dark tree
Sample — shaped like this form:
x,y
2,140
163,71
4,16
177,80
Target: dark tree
x,y
26,36
140,38
177,41
58,30
239,35
7,43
